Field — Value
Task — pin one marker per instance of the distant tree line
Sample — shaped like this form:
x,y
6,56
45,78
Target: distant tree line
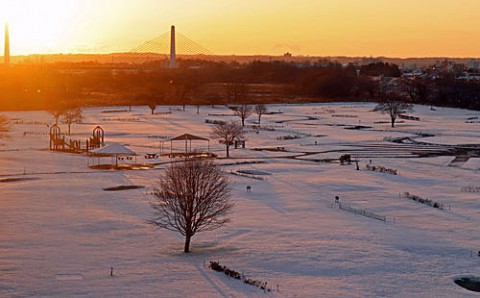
x,y
197,82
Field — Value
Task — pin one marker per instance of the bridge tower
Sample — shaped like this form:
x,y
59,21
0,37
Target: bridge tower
x,y
172,48
6,55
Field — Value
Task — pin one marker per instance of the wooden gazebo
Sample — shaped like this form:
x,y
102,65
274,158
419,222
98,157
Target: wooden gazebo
x,y
188,138
113,150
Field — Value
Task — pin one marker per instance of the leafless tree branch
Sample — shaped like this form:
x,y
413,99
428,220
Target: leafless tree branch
x,y
228,133
192,196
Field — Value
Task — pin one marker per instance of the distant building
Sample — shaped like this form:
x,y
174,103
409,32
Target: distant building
x,y
469,76
473,64
409,67
414,74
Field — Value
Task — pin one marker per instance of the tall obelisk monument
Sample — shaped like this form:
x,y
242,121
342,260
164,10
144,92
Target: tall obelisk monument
x,y
6,55
172,48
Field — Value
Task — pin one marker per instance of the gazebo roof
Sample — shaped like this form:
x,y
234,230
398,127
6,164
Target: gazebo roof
x,y
188,137
113,149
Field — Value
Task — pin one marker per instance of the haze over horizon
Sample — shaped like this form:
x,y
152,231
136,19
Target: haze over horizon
x,y
439,28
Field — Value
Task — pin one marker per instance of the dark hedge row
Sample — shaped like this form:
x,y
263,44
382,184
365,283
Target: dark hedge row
x,y
234,274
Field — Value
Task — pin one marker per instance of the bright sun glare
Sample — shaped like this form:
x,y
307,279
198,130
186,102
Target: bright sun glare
x,y
42,25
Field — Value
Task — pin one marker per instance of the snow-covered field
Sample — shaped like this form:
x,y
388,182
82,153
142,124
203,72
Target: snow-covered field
x,y
61,233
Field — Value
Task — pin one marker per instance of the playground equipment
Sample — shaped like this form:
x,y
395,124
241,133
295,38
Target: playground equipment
x,y
97,139
58,142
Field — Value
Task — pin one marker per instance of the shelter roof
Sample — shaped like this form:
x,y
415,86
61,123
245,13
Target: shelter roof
x,y
188,137
113,149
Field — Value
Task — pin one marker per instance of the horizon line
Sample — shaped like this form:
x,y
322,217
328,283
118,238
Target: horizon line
x,y
249,55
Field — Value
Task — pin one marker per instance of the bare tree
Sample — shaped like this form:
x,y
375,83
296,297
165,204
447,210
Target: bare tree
x,y
383,87
393,108
57,112
152,100
178,93
72,115
193,196
418,89
193,89
152,105
228,133
243,111
61,95
154,96
410,88
260,109
236,90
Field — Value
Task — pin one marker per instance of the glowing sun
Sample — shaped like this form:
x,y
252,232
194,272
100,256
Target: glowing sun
x,y
42,26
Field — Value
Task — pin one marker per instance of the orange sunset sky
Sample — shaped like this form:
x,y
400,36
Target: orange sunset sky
x,y
407,28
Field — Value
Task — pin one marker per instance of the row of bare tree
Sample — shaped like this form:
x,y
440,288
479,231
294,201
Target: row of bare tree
x,y
198,82
244,111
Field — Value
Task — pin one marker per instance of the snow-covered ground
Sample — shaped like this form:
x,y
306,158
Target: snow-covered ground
x,y
61,233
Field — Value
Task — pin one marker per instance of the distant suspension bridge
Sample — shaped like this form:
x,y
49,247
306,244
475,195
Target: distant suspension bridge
x,y
168,45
